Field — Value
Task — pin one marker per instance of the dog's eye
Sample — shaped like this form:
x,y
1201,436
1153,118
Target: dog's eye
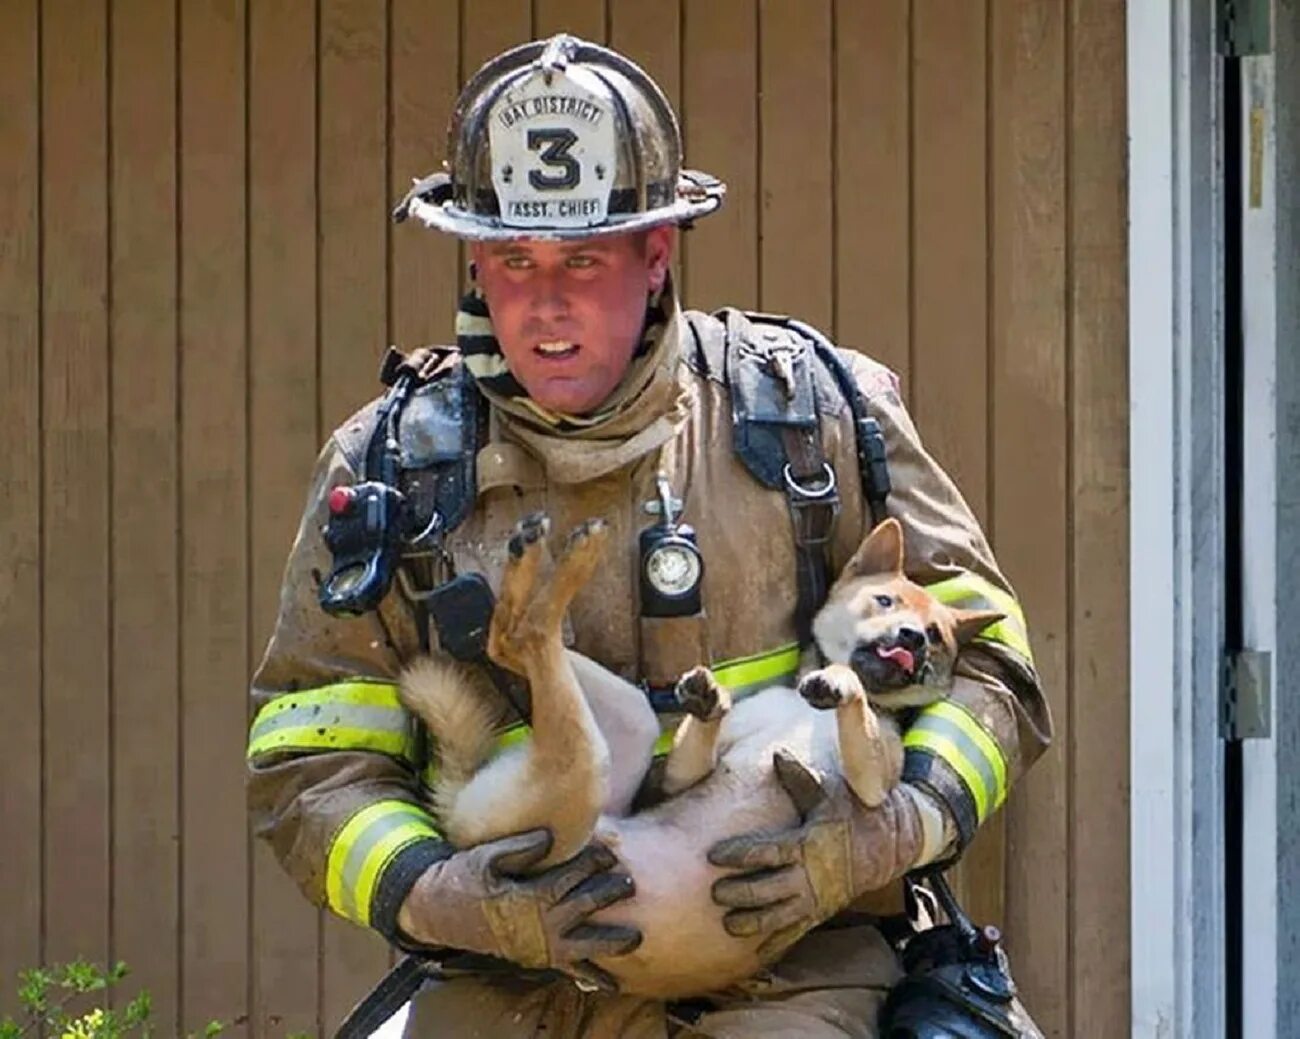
x,y
884,601
933,634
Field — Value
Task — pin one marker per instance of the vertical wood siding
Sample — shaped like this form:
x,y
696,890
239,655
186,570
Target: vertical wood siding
x,y
197,280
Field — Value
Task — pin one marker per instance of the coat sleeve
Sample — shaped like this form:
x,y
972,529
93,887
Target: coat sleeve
x,y
333,756
967,750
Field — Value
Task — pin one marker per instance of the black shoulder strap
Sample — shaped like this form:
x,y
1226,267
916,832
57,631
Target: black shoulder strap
x,y
782,375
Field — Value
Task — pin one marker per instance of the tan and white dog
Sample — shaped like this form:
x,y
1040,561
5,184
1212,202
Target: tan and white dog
x,y
890,644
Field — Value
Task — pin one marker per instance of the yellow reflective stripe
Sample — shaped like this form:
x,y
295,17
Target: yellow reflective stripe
x,y
746,675
359,714
969,591
950,731
365,845
517,733
665,741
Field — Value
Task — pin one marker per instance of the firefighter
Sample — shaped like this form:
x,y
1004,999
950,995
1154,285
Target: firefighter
x,y
579,386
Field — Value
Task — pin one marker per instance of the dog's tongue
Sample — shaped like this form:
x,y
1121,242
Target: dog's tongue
x,y
900,656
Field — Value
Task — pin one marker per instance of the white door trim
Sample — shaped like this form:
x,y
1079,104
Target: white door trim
x,y
1175,379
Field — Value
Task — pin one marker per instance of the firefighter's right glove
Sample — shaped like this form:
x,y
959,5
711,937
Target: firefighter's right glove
x,y
468,901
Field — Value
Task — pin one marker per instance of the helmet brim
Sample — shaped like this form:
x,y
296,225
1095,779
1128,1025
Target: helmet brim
x,y
453,220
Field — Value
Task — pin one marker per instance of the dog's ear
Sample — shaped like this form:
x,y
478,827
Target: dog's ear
x,y
966,624
880,554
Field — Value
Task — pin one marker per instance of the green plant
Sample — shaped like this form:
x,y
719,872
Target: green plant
x,y
55,998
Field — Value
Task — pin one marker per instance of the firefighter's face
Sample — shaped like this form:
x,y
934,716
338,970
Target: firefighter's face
x,y
569,315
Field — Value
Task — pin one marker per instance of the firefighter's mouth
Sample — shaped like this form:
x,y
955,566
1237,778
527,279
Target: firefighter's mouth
x,y
557,349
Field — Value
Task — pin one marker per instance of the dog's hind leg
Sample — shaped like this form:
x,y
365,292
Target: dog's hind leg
x,y
871,752
558,778
695,744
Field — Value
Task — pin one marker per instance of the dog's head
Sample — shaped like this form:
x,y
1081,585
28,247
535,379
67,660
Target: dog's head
x,y
900,640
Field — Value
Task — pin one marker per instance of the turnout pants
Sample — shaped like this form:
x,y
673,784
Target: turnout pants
x,y
829,986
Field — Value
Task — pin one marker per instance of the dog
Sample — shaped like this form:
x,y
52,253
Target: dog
x,y
889,643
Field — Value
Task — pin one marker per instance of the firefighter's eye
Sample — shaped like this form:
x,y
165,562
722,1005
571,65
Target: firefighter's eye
x,y
884,601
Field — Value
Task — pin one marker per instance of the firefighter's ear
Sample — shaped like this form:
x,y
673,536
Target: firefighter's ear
x,y
881,554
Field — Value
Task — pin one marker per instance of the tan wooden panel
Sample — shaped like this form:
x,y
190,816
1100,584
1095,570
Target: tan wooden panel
x,y
719,96
1098,635
284,433
1030,460
214,516
146,857
948,359
426,264
354,322
872,180
74,358
949,364
20,489
650,35
491,26
585,18
795,159
353,203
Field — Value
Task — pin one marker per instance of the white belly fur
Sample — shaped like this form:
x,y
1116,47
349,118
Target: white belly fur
x,y
685,949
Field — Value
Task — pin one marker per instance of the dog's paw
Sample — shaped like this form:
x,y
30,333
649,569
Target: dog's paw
x,y
528,533
588,536
701,696
829,687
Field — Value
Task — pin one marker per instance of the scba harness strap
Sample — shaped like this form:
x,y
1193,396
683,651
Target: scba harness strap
x,y
782,375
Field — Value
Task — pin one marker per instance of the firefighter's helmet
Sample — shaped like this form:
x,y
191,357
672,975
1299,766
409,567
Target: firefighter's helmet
x,y
561,138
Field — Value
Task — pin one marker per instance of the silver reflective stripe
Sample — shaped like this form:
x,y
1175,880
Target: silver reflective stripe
x,y
352,872
973,757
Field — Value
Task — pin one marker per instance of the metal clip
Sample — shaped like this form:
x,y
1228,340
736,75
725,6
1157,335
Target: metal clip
x,y
665,505
813,508
781,364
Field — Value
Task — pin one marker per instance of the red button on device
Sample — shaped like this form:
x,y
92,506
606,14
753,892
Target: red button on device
x,y
340,498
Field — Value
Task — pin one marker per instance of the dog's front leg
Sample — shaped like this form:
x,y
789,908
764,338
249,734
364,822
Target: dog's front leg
x,y
695,744
871,751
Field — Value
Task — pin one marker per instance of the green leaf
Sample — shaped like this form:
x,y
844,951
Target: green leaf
x,y
33,989
83,977
136,1012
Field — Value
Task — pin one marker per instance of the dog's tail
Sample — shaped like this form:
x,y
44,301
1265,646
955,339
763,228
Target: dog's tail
x,y
449,697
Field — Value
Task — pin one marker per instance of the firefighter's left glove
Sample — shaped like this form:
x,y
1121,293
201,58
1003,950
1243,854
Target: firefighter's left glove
x,y
787,882
477,900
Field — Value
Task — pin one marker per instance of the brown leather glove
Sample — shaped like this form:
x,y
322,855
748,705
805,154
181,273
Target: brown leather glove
x,y
790,881
468,901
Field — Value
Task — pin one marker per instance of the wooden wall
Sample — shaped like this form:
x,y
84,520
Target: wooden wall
x,y
197,279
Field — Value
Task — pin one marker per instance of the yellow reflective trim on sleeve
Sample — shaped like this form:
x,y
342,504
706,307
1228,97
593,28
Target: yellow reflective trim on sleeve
x,y
969,591
359,714
366,844
950,731
746,675
942,747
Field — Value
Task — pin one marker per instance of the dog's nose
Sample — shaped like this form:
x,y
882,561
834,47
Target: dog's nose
x,y
911,638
